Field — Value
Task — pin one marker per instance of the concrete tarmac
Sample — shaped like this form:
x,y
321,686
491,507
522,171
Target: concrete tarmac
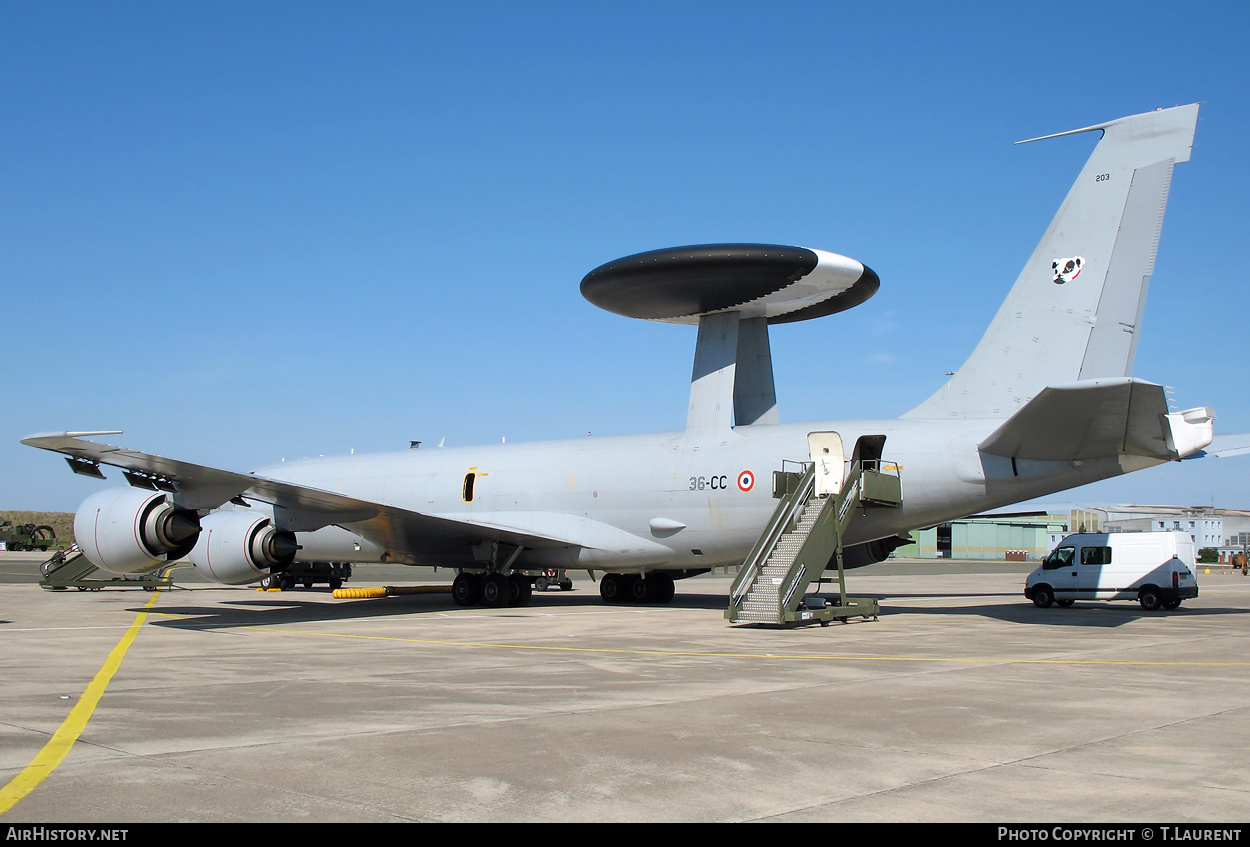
x,y
963,702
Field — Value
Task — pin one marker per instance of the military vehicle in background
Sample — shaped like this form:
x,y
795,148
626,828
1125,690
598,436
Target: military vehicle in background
x,y
308,574
21,537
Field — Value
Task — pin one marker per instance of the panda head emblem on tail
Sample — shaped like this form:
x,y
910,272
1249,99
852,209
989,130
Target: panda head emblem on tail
x,y
1066,270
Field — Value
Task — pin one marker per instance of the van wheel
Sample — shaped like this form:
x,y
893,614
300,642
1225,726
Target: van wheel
x,y
1063,604
1172,604
1043,596
1149,598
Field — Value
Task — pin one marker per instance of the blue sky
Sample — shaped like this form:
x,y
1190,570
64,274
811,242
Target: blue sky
x,y
242,232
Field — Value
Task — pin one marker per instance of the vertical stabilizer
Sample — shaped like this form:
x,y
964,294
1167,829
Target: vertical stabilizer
x,y
1075,310
755,396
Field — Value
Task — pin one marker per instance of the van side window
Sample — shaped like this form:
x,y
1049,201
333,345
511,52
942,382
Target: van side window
x,y
1095,555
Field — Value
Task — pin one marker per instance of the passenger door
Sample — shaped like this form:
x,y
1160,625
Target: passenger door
x,y
829,457
1060,572
1089,571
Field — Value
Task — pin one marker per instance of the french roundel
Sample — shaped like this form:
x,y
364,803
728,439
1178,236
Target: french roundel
x,y
746,481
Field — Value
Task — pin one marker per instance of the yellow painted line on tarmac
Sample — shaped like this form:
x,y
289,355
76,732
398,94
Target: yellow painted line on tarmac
x,y
58,746
786,656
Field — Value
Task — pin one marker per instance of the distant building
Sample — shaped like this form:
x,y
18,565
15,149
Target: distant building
x,y
1020,536
1029,536
1227,530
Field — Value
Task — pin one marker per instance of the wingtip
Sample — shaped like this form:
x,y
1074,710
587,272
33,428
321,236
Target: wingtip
x,y
43,436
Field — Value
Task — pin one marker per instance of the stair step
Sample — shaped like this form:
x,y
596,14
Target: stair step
x,y
757,618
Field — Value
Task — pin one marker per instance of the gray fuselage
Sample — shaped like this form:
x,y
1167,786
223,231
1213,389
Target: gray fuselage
x,y
619,500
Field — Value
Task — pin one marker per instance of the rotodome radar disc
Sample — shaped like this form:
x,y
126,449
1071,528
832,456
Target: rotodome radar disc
x,y
681,284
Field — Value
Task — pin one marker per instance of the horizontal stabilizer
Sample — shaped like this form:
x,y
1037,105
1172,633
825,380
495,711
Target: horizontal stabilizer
x,y
1098,418
1225,447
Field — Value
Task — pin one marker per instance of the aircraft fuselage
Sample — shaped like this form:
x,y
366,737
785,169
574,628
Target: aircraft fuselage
x,y
682,500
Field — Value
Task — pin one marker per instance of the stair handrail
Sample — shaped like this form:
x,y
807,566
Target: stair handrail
x,y
846,499
785,516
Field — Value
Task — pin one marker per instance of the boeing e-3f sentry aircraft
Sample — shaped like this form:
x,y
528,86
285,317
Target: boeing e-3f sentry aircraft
x,y
1045,402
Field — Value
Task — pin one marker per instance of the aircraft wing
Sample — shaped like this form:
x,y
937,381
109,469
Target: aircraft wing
x,y
406,534
1098,418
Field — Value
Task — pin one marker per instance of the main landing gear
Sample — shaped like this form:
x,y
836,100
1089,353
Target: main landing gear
x,y
653,588
493,590
497,590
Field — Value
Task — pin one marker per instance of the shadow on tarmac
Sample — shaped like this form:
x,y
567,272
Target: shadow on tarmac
x,y
274,609
1097,614
288,607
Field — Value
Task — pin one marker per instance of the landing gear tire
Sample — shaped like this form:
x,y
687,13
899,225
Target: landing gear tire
x,y
466,589
655,588
522,589
664,587
641,590
497,591
612,588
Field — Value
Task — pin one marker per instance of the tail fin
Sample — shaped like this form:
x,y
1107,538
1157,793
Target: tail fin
x,y
1075,309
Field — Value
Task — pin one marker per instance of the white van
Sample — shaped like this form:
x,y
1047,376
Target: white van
x,y
1153,568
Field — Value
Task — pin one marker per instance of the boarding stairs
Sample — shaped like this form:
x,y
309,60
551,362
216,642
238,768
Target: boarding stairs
x,y
71,569
805,536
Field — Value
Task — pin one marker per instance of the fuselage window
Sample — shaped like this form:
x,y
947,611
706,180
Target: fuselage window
x,y
467,494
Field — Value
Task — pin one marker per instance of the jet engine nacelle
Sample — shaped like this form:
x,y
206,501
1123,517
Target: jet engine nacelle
x,y
130,530
236,548
859,555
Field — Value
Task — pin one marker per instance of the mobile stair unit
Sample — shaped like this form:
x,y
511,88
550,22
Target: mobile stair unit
x,y
70,569
805,536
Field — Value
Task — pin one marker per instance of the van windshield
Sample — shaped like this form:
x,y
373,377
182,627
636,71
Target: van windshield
x,y
1061,558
